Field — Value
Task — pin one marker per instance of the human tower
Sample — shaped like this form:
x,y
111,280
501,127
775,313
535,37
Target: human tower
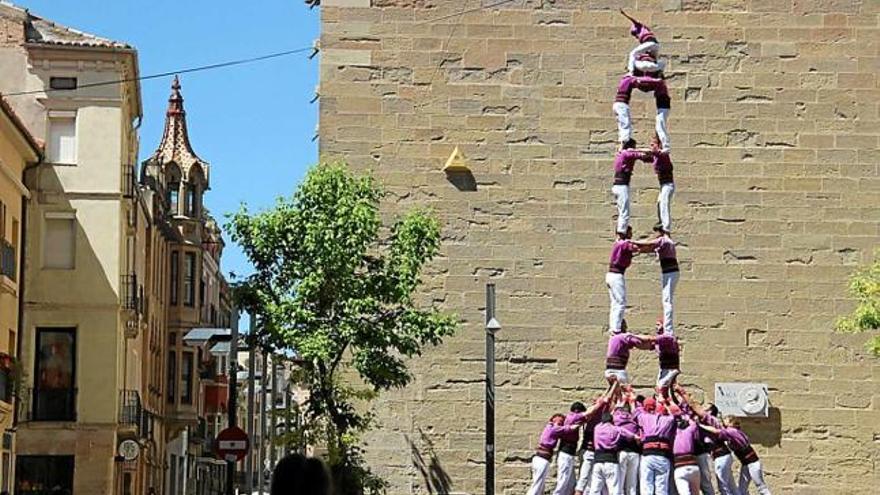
x,y
629,444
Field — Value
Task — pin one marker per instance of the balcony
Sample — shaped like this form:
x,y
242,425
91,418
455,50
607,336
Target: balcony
x,y
133,415
129,181
130,293
48,404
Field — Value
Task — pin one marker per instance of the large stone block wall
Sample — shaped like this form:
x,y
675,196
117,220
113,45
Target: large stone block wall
x,y
775,141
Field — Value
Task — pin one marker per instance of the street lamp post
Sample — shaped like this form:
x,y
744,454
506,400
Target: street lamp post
x,y
492,326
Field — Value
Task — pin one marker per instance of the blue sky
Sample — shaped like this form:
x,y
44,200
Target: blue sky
x,y
253,123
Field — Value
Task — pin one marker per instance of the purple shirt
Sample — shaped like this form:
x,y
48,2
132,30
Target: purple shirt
x,y
686,439
550,435
663,167
667,351
606,436
625,162
665,249
619,346
642,83
642,33
656,425
625,420
572,418
736,439
621,255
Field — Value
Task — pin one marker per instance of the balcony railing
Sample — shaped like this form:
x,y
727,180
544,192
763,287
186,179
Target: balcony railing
x,y
130,293
6,385
49,404
129,181
8,260
130,408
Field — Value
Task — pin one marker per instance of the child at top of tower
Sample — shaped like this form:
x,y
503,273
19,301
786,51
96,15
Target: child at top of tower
x,y
643,58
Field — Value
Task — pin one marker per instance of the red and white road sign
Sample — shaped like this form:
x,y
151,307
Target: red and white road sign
x,y
232,444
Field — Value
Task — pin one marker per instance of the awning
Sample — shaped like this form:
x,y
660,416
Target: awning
x,y
199,336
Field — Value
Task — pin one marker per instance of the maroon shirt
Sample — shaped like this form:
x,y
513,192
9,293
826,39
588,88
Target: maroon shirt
x,y
621,256
663,167
625,162
619,346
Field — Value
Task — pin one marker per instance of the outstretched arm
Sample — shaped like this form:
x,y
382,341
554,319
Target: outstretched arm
x,y
646,342
631,19
710,429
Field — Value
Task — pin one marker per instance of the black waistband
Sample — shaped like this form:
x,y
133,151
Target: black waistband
x,y
670,361
630,445
685,460
720,450
654,445
665,177
543,454
615,363
622,178
668,265
569,448
606,456
747,455
616,269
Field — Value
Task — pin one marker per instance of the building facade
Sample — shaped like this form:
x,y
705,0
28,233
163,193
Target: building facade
x,y
18,151
198,298
80,306
775,132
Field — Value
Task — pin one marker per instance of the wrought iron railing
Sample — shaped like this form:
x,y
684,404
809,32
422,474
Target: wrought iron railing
x,y
8,260
129,181
130,293
48,404
130,408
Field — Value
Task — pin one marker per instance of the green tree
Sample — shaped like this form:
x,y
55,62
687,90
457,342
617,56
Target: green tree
x,y
864,286
335,286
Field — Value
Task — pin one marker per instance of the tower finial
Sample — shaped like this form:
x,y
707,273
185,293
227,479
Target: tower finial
x,y
175,101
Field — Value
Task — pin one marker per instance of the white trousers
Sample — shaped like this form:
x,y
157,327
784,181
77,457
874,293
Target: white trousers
x,y
687,480
661,127
617,293
724,475
629,471
606,476
651,47
655,472
668,282
564,474
621,376
753,472
540,470
624,121
586,472
664,205
706,470
621,195
666,376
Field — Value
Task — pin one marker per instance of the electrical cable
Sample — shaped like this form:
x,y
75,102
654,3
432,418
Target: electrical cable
x,y
188,70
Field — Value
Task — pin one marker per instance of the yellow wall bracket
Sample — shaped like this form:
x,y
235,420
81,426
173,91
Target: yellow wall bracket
x,y
456,162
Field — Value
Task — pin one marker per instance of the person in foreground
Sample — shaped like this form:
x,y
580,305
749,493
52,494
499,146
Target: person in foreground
x,y
297,474
751,469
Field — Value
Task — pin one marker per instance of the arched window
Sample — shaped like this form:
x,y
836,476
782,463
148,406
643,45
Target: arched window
x,y
194,188
172,188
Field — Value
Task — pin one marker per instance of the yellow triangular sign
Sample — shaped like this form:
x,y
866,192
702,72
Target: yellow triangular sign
x,y
456,162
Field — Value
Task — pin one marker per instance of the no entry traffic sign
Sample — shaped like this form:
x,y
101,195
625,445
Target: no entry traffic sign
x,y
232,444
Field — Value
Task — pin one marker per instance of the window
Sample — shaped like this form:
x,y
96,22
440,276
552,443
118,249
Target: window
x,y
2,221
190,206
11,347
189,279
62,138
33,472
186,378
175,276
172,376
55,375
59,243
62,82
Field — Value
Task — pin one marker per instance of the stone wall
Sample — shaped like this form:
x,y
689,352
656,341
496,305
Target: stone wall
x,y
775,141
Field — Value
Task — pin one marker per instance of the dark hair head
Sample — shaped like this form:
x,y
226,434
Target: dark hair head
x,y
629,144
556,416
658,228
713,410
578,406
297,474
640,399
607,417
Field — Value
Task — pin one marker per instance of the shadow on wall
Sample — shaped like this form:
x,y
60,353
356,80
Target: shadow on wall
x,y
765,431
463,180
435,477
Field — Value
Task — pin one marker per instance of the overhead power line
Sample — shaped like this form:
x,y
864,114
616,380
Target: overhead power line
x,y
187,70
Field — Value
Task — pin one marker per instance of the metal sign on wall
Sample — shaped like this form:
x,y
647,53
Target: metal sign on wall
x,y
742,399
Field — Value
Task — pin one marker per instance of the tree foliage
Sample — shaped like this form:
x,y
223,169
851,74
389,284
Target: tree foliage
x,y
337,287
864,286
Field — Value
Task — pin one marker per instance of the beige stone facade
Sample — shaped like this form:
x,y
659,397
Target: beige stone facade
x,y
775,132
